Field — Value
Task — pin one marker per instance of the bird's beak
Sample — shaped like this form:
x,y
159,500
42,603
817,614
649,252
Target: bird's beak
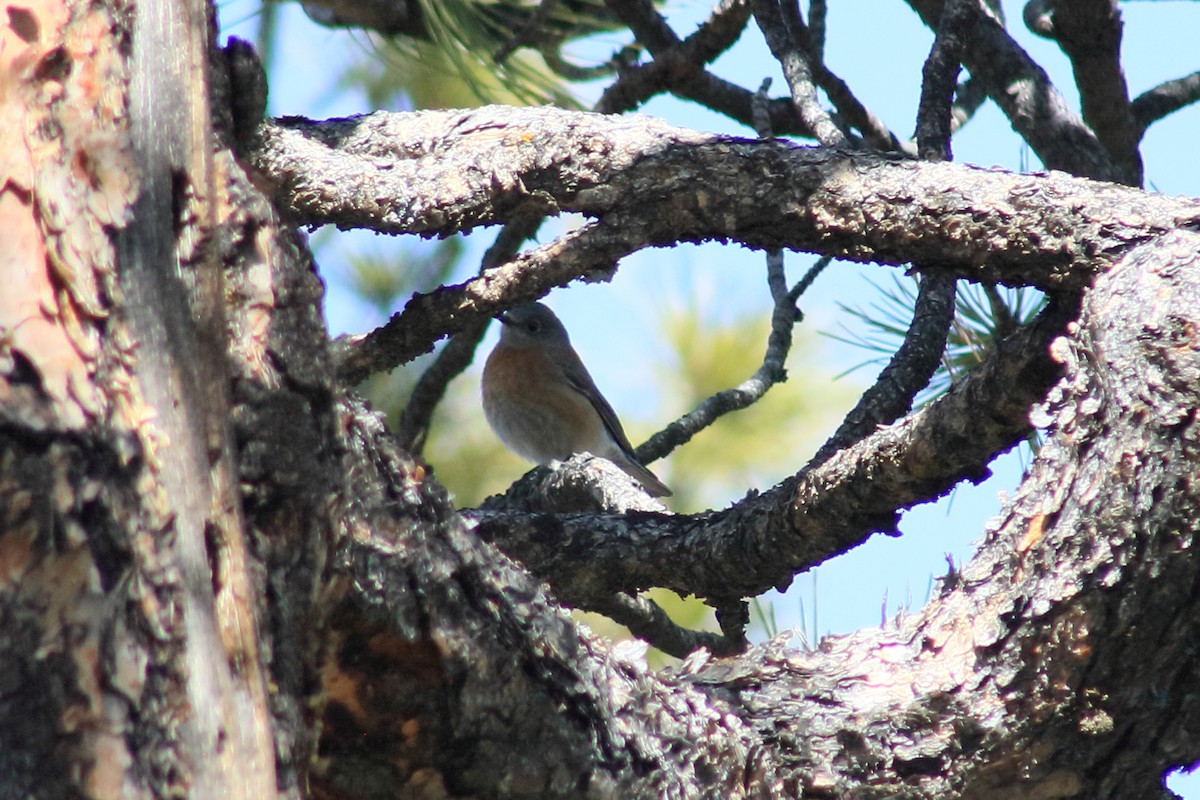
x,y
503,318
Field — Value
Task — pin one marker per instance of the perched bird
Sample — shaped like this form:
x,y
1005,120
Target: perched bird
x,y
542,403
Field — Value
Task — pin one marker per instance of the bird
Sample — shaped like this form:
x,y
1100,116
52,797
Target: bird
x,y
543,404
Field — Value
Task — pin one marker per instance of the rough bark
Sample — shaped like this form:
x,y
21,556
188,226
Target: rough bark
x,y
141,654
652,184
322,622
1025,677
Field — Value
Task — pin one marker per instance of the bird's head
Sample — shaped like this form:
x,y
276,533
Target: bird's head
x,y
532,324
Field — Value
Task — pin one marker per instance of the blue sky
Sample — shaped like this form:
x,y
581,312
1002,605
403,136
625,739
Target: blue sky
x,y
878,47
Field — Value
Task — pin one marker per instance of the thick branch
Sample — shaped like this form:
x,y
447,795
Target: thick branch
x,y
1041,641
1026,676
439,172
451,666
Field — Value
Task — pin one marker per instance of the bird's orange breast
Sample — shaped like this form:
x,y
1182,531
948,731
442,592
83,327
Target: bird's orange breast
x,y
533,408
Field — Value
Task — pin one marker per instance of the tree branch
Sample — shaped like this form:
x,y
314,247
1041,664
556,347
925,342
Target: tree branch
x,y
969,97
784,316
796,69
364,172
438,172
939,80
1091,566
1165,99
590,250
648,622
818,10
826,509
1089,32
908,371
918,357
676,68
873,129
1024,92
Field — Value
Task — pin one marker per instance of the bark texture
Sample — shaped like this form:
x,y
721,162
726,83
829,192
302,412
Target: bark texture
x,y
1025,677
650,184
142,656
220,576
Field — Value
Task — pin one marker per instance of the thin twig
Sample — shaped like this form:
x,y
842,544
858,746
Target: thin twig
x,y
1165,99
761,110
647,621
784,317
850,109
647,25
676,69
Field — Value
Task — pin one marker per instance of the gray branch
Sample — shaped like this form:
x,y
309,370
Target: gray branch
x,y
656,185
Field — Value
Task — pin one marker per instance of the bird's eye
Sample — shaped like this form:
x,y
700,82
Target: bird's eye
x,y
533,326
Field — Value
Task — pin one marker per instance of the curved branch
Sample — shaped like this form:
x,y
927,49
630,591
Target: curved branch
x,y
1026,95
435,173
1092,565
648,622
1056,576
826,509
1089,32
1165,99
779,343
438,172
908,371
918,357
590,250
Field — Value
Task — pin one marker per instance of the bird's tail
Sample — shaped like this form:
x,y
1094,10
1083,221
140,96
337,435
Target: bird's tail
x,y
653,486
